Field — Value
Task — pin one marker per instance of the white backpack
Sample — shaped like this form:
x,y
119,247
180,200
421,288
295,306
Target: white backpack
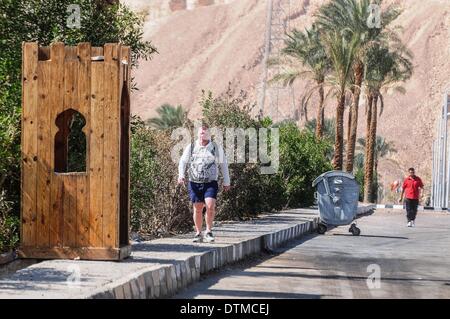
x,y
203,169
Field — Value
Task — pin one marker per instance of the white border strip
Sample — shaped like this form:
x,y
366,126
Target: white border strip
x,y
420,208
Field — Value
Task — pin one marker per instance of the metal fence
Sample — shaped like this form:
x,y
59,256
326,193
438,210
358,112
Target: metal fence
x,y
441,159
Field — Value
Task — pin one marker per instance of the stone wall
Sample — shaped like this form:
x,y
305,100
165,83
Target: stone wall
x,y
156,9
202,3
177,5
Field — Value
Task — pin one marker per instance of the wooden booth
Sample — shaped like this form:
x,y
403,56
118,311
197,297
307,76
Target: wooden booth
x,y
75,152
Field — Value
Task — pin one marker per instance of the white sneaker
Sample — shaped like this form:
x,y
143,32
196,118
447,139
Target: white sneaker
x,y
409,224
413,223
209,237
198,238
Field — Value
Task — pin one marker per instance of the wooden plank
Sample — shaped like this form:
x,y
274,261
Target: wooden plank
x,y
128,212
84,100
72,253
43,154
126,56
29,143
84,81
111,155
82,206
57,212
71,53
96,51
70,209
96,155
65,212
70,85
56,101
125,149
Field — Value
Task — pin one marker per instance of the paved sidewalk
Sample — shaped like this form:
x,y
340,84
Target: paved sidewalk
x,y
388,260
159,268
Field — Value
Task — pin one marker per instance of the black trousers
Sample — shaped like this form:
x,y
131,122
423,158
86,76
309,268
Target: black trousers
x,y
411,208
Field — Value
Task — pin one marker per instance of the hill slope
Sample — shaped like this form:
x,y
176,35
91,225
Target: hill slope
x,y
209,46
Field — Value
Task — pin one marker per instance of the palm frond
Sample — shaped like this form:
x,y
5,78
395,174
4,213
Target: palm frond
x,y
169,117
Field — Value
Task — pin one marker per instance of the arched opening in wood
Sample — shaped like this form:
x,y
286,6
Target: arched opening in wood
x,y
70,142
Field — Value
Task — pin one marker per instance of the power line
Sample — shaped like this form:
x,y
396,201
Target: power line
x,y
273,94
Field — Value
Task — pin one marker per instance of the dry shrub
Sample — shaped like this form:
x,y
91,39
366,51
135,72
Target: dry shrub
x,y
9,225
159,206
251,193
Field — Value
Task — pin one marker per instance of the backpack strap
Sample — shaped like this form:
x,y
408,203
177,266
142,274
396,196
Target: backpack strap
x,y
192,150
216,152
213,151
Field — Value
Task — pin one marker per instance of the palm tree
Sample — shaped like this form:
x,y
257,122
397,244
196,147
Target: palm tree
x,y
341,48
352,16
329,128
384,70
169,117
329,132
306,48
382,148
359,161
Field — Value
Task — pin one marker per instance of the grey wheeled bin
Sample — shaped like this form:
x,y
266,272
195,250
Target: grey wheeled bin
x,y
337,196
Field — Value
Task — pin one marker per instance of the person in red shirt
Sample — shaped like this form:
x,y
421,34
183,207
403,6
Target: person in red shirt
x,y
411,190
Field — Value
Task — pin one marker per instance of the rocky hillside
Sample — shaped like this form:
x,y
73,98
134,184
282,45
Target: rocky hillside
x,y
208,44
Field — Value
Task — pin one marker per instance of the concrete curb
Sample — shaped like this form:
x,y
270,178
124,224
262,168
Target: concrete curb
x,y
163,267
419,208
168,280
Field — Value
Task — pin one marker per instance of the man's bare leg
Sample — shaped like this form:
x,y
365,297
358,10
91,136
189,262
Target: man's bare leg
x,y
210,213
198,217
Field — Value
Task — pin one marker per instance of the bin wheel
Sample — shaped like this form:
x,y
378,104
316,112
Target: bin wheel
x,y
321,229
355,231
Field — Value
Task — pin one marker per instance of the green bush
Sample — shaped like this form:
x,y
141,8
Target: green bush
x,y
158,206
246,196
359,176
9,225
10,92
328,133
302,159
45,22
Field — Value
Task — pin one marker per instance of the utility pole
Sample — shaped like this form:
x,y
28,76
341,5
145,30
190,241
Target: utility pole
x,y
277,25
262,96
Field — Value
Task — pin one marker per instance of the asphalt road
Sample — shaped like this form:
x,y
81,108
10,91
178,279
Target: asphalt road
x,y
388,260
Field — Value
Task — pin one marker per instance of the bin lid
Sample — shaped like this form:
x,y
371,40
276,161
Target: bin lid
x,y
332,174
